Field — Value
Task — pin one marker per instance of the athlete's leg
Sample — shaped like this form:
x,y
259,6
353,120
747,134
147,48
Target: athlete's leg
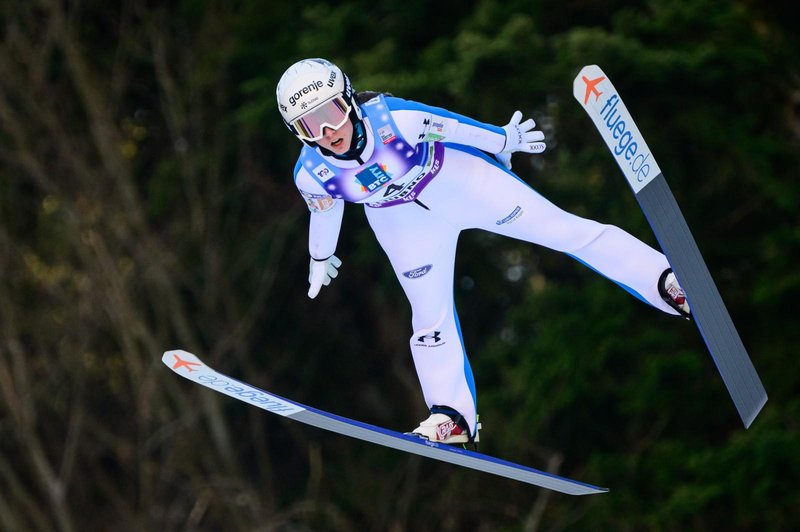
x,y
421,247
508,206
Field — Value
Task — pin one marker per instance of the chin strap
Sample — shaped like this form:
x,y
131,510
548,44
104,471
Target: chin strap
x,y
359,140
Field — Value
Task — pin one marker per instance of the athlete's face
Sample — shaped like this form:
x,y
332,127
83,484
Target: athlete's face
x,y
337,140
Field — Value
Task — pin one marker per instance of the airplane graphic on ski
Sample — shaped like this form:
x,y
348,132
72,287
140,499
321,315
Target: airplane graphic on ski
x,y
591,88
180,363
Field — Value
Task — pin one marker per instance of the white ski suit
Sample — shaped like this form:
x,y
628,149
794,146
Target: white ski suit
x,y
424,177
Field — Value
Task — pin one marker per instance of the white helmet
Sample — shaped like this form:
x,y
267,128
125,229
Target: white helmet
x,y
313,94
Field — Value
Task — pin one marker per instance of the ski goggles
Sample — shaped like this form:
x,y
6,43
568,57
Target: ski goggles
x,y
333,114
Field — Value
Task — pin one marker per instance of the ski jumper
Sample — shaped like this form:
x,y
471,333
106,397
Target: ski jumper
x,y
424,177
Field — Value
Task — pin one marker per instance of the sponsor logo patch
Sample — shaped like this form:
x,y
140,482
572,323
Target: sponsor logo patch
x,y
511,218
256,397
317,202
605,107
433,339
436,132
436,336
323,172
627,150
373,177
386,134
444,430
432,137
433,131
418,272
313,86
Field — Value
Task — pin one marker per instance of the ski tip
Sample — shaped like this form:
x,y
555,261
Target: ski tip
x,y
587,72
589,69
590,81
177,358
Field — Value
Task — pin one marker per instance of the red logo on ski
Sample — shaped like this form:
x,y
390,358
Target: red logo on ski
x,y
591,88
180,363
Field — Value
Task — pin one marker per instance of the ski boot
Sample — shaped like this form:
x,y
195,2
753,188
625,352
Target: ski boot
x,y
446,425
672,293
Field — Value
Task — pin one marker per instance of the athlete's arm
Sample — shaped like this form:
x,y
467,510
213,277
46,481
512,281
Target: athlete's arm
x,y
326,214
323,234
323,229
419,122
422,123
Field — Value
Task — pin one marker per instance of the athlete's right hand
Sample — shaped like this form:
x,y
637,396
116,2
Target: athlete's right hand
x,y
321,272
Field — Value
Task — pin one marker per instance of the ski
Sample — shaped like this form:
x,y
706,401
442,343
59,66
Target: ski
x,y
191,367
594,91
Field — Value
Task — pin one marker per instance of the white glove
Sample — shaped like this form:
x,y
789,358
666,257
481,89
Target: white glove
x,y
321,272
521,137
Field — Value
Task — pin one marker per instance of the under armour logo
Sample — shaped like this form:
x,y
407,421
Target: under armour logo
x,y
435,336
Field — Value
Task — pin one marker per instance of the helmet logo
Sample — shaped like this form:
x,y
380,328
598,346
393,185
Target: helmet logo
x,y
313,86
332,79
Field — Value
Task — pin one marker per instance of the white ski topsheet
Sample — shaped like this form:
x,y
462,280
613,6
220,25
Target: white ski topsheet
x,y
603,104
191,367
597,95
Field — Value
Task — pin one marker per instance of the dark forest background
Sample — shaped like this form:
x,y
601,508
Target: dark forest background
x,y
147,203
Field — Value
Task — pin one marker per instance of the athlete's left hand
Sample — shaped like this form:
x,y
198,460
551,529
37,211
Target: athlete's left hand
x,y
522,137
